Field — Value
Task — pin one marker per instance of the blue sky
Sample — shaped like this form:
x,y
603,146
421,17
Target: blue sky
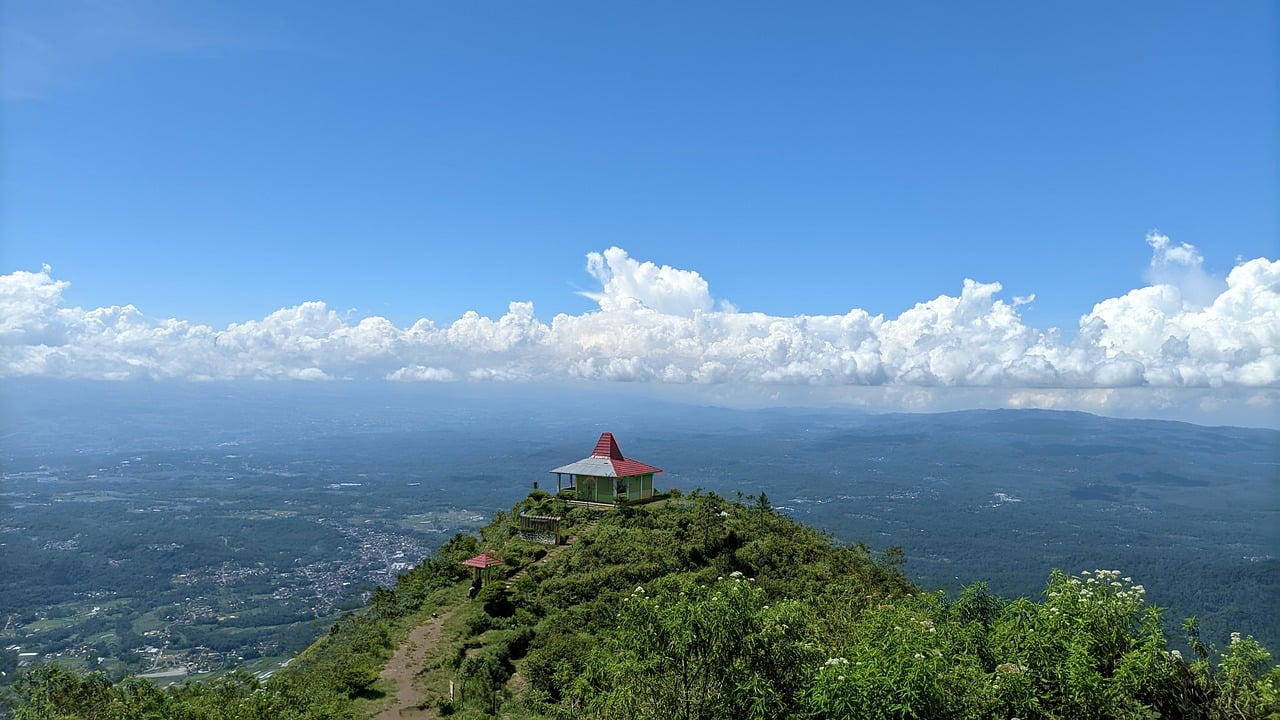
x,y
216,162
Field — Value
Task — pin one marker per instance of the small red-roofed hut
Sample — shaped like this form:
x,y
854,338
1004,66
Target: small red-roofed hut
x,y
606,474
481,568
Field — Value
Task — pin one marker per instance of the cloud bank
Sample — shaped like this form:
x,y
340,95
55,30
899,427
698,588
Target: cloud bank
x,y
659,324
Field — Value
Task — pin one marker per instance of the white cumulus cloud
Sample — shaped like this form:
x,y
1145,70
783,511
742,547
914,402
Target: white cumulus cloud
x,y
626,284
1177,341
659,324
423,374
1181,266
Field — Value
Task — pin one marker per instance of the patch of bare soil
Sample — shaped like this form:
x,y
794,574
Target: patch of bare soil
x,y
402,670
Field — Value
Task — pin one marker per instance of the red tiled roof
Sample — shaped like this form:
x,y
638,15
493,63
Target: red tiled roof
x,y
607,447
607,456
627,468
483,560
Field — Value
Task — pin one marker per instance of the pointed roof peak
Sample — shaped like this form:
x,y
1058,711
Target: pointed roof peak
x,y
607,461
607,447
482,561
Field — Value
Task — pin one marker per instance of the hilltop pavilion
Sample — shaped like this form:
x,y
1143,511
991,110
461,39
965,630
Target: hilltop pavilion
x,y
481,567
607,473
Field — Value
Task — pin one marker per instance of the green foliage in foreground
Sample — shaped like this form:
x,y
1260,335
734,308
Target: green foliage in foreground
x,y
1093,649
53,693
320,684
703,608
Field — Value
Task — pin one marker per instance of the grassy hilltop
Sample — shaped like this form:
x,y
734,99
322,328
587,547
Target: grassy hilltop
x,y
701,607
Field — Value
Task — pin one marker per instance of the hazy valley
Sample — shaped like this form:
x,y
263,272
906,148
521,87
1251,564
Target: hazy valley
x,y
188,528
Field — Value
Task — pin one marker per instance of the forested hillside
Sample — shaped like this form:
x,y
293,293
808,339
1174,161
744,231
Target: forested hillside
x,y
701,607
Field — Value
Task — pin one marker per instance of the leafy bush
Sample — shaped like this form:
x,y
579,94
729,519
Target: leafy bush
x,y
496,602
704,608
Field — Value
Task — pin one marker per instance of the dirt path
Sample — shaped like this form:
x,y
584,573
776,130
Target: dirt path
x,y
403,668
